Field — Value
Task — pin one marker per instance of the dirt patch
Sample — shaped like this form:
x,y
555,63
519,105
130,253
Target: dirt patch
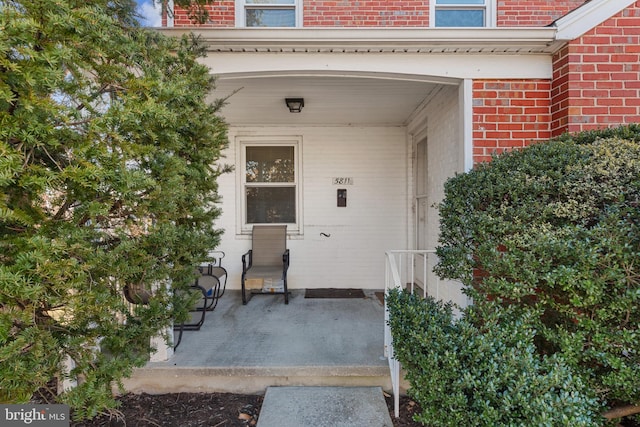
x,y
206,409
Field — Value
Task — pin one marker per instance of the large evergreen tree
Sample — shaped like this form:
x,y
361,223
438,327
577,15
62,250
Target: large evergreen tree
x,y
106,180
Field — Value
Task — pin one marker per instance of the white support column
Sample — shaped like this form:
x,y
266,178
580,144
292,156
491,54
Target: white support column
x,y
163,351
170,20
466,106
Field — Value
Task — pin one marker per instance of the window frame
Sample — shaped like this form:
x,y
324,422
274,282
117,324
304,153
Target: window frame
x,y
242,6
241,195
489,8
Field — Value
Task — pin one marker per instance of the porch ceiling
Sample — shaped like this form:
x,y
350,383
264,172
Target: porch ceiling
x,y
272,64
329,100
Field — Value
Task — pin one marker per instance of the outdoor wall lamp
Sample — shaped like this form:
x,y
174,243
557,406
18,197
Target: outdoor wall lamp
x,y
294,104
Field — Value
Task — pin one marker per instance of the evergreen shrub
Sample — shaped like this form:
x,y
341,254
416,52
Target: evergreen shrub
x,y
551,234
482,372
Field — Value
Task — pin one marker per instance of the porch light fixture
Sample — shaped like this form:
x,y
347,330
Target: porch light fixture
x,y
294,104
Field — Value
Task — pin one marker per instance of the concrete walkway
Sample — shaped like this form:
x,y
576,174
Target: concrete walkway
x,y
324,407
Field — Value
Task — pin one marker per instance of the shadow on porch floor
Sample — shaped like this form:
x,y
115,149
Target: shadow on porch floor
x,y
244,349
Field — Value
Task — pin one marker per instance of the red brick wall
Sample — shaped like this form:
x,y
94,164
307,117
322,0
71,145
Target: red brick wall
x,y
536,13
366,13
509,114
391,13
221,14
596,80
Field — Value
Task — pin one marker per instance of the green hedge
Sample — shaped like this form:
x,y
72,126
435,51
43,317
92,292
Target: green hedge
x,y
462,374
551,234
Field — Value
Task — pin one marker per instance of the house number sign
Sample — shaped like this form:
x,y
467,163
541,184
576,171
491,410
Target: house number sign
x,y
342,180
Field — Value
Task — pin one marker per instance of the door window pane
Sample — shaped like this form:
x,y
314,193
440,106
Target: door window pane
x,y
421,204
421,168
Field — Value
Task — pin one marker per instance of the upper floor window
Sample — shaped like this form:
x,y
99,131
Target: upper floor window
x,y
463,13
268,13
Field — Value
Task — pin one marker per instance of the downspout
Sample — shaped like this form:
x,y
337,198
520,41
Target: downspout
x,y
170,16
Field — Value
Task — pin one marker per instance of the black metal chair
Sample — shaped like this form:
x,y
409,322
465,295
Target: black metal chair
x,y
216,279
140,295
210,286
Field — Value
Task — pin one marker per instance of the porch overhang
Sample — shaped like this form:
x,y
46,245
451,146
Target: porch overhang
x,y
360,76
377,40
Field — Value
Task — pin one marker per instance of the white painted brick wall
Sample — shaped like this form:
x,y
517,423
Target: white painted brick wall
x,y
373,221
445,158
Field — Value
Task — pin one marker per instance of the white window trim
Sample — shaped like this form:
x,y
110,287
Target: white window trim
x,y
241,17
241,213
490,8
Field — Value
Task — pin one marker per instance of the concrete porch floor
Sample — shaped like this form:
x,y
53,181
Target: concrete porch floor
x,y
245,349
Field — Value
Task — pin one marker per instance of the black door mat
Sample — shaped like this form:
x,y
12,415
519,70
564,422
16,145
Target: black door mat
x,y
334,293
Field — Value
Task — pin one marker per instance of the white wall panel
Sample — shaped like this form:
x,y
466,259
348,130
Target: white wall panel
x,y
373,221
447,65
445,153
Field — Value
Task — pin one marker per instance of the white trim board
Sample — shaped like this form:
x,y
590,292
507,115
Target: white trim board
x,y
369,40
438,66
588,16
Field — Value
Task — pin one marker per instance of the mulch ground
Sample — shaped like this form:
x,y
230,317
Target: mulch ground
x,y
206,409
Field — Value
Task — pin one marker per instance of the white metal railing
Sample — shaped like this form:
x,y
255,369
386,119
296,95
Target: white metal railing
x,y
411,270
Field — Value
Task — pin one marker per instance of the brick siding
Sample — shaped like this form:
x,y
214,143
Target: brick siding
x,y
509,114
379,13
389,13
222,13
533,13
596,80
